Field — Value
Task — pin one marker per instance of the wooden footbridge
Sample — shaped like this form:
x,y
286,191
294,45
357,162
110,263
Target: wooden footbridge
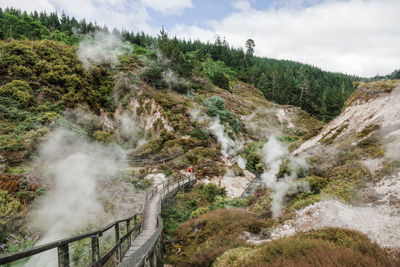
x,y
138,239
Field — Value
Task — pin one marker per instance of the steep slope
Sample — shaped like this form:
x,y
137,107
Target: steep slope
x,y
351,168
362,145
353,171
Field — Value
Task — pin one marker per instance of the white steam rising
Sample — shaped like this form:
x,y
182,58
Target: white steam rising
x,y
130,129
102,48
171,79
229,148
241,162
169,76
74,168
273,154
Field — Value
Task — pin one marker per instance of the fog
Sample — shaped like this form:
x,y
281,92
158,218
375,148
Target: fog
x,y
73,168
102,48
274,152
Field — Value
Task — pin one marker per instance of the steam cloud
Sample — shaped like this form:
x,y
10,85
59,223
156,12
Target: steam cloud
x,y
102,47
229,148
273,154
129,129
74,167
391,125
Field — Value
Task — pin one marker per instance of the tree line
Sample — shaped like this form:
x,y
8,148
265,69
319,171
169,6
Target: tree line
x,y
320,93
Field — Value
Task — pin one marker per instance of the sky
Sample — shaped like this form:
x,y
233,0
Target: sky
x,y
359,37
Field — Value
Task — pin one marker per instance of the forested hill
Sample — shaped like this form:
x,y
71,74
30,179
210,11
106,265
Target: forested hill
x,y
320,93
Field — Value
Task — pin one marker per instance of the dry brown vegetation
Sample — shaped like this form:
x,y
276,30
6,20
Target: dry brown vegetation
x,y
326,247
203,239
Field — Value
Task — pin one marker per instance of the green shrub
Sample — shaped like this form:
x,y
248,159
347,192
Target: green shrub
x,y
288,139
142,183
216,106
10,210
219,79
153,75
199,133
103,136
19,91
317,183
210,67
199,211
252,161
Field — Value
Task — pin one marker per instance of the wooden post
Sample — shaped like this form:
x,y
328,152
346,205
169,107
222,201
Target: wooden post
x,y
117,243
63,256
128,227
95,248
134,225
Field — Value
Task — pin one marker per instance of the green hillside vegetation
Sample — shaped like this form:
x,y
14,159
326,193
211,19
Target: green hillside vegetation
x,y
38,80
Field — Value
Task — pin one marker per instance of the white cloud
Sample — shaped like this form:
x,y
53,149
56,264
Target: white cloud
x,y
358,36
192,32
121,14
113,13
29,6
243,5
170,7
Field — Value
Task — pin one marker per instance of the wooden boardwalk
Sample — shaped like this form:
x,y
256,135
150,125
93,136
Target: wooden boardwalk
x,y
149,227
139,246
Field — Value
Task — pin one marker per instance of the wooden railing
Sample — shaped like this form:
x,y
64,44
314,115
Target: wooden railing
x,y
150,161
97,260
132,231
150,246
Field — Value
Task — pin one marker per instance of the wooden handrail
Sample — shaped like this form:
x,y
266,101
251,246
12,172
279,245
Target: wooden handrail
x,y
62,245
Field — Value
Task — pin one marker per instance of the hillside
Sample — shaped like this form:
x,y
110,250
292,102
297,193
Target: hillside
x,y
351,172
88,124
53,107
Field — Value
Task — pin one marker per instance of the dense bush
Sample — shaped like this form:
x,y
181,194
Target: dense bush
x,y
219,79
38,80
51,72
216,106
19,91
10,210
199,133
254,162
